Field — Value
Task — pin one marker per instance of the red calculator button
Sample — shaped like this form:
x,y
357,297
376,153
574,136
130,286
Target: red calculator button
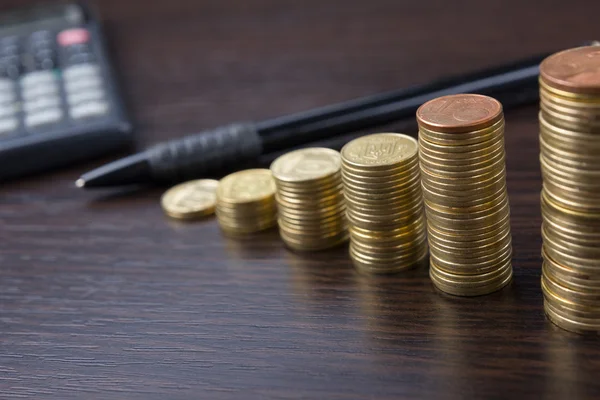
x,y
73,36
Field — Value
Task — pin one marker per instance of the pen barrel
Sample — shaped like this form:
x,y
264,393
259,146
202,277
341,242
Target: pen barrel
x,y
205,153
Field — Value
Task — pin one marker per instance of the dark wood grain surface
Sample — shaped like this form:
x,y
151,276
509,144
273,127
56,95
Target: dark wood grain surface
x,y
102,297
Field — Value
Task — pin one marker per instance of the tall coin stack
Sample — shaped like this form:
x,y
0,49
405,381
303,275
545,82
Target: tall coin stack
x,y
246,202
310,199
570,161
384,202
461,153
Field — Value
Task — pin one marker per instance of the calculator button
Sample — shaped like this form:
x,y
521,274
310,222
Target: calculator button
x,y
81,71
81,58
40,90
88,95
73,36
41,103
47,116
7,96
43,35
11,50
10,66
8,125
9,41
7,90
90,109
88,83
38,78
39,83
7,110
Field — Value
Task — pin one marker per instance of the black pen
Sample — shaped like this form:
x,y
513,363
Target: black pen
x,y
242,144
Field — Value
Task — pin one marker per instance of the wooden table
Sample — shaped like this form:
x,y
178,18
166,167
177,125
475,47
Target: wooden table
x,y
101,296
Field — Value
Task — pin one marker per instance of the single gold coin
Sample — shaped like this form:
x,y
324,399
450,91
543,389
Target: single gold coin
x,y
379,151
190,200
251,185
306,165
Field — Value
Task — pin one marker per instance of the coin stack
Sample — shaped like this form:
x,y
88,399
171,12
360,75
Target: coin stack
x,y
246,202
461,153
190,200
310,200
570,161
384,203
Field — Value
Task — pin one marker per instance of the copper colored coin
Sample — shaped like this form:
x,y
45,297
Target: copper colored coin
x,y
575,70
459,113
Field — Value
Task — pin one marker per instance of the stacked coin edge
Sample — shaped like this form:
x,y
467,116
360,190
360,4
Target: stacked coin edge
x,y
570,203
239,215
384,203
466,202
311,211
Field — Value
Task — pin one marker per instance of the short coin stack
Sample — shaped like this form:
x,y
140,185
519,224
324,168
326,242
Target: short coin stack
x,y
312,211
461,153
246,202
384,202
570,160
190,200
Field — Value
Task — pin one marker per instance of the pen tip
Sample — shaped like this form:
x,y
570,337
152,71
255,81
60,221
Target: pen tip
x,y
80,183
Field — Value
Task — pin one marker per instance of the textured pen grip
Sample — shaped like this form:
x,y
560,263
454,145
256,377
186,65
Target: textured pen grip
x,y
208,152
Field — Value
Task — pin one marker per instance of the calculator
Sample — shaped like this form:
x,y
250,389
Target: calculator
x,y
59,99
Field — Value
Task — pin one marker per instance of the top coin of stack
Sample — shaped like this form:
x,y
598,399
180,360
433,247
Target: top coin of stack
x,y
570,160
190,200
312,212
461,153
384,202
246,202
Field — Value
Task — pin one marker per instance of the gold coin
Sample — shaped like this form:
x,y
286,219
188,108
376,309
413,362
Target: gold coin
x,y
393,172
567,307
470,137
379,151
251,185
465,174
573,270
467,213
575,296
461,151
306,165
471,289
329,184
568,281
257,226
390,251
460,159
414,253
316,244
569,323
382,198
391,180
246,212
389,267
474,266
443,168
191,199
479,279
308,202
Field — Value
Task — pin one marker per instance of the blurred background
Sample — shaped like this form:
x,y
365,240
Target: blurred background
x,y
186,65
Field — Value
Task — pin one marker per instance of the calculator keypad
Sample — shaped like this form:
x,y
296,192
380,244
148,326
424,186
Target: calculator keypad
x,y
49,78
41,99
59,101
8,110
83,82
